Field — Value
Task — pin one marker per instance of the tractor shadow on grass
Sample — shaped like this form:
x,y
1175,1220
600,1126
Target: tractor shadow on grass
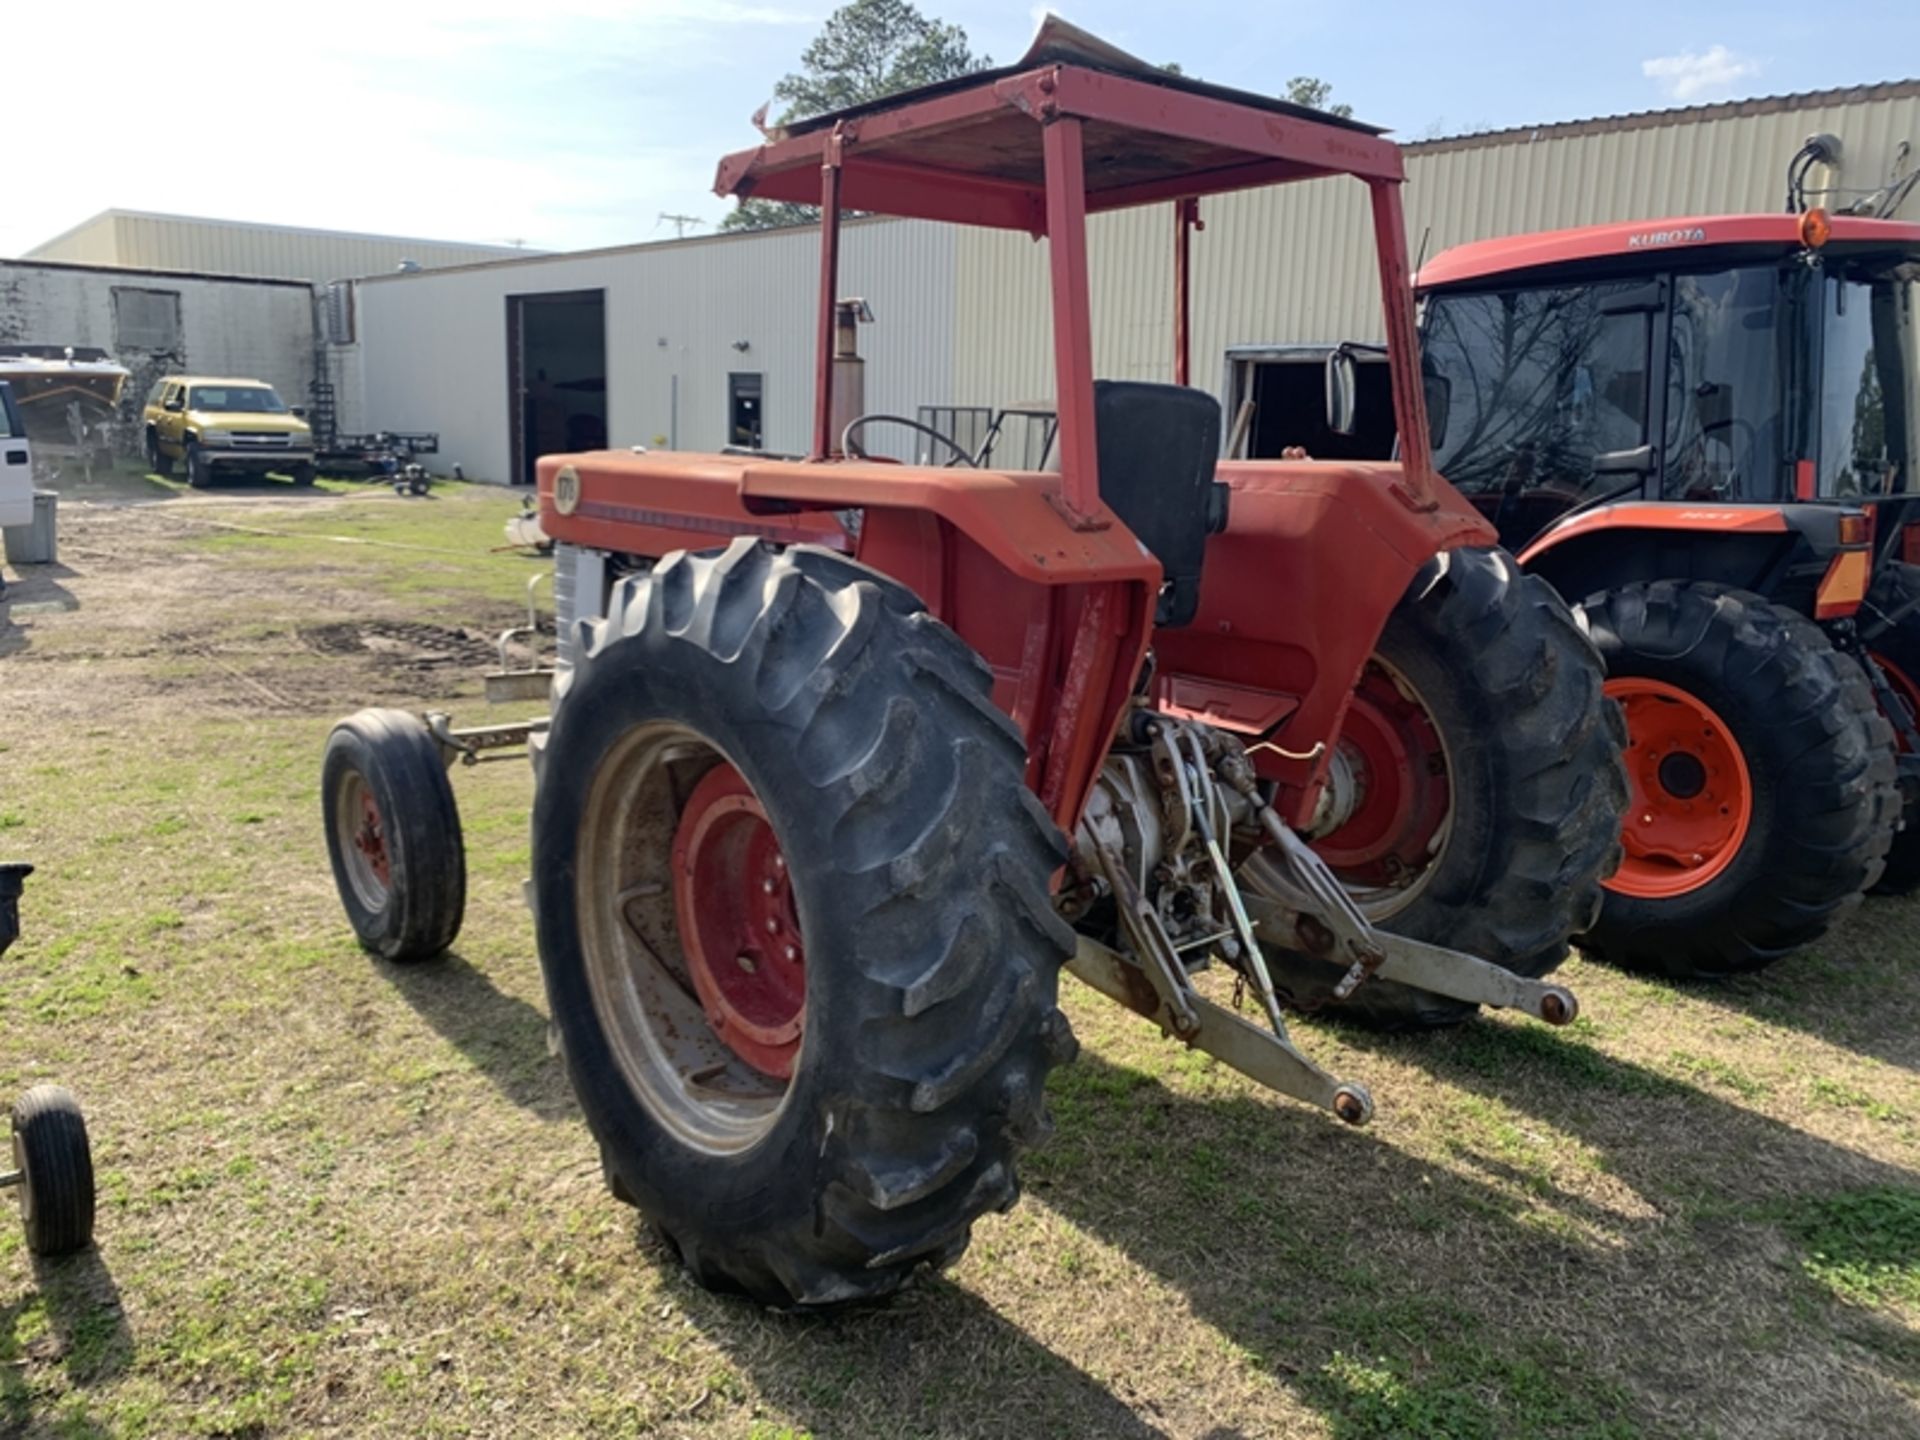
x,y
1857,988
935,1361
502,1035
1509,1287
72,1317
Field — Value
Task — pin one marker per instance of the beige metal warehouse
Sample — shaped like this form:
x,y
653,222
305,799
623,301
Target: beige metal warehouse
x,y
141,240
686,339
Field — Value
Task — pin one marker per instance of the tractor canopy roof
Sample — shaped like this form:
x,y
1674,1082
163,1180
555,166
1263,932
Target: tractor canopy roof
x,y
1650,243
969,150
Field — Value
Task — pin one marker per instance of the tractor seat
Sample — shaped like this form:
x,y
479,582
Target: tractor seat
x,y
1157,445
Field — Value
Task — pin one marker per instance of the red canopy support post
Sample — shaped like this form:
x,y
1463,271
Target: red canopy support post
x,y
823,436
1072,319
1403,343
1186,220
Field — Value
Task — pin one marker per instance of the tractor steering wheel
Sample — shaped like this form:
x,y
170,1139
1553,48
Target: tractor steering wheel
x,y
852,446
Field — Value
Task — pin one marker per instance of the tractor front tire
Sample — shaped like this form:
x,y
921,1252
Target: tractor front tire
x,y
1498,694
791,893
1890,629
1762,772
55,1161
393,834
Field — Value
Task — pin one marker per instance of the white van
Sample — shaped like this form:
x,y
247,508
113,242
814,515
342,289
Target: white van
x,y
16,463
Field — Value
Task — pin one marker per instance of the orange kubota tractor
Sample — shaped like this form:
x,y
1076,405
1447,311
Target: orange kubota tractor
x,y
822,727
1703,432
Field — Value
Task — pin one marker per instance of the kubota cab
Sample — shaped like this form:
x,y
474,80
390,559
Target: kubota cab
x,y
821,728
1703,432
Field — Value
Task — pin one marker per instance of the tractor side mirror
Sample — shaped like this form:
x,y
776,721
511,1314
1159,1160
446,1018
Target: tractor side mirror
x,y
1439,390
1343,387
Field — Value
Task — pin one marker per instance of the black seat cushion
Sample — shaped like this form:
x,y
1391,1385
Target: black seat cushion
x,y
1157,447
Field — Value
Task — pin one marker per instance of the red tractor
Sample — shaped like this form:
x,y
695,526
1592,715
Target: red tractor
x,y
1704,432
822,727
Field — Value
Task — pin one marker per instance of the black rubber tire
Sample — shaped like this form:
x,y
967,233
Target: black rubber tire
x,y
158,461
199,472
303,475
1819,755
396,755
1514,688
56,1162
920,862
1890,626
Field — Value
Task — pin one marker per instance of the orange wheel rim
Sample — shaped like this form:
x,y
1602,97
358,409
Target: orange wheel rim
x,y
1692,797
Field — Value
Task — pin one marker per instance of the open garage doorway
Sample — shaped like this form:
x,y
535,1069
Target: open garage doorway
x,y
1287,386
556,375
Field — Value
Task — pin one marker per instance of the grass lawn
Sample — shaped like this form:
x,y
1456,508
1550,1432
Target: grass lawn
x,y
344,1198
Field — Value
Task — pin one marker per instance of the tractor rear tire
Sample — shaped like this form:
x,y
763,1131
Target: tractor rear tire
x,y
1793,753
1890,629
1531,748
891,813
55,1161
393,835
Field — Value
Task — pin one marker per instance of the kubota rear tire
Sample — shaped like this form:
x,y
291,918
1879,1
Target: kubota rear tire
x,y
1763,781
55,1161
1890,629
791,892
1491,767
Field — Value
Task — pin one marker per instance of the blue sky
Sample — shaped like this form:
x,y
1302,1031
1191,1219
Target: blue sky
x,y
572,123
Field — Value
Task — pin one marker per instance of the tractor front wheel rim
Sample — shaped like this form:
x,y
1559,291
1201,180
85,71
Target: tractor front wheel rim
x,y
1692,796
362,834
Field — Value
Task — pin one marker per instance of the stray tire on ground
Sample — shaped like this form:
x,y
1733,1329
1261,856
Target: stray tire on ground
x,y
393,834
55,1161
1489,766
1763,780
791,892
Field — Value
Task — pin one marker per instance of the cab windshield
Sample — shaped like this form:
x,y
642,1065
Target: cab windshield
x,y
246,399
1870,377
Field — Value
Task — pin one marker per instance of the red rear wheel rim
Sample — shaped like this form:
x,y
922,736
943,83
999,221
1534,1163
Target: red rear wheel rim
x,y
739,929
1390,742
1906,692
1692,797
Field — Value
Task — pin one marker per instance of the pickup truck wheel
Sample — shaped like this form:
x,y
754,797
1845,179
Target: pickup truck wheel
x,y
303,474
199,472
157,460
790,889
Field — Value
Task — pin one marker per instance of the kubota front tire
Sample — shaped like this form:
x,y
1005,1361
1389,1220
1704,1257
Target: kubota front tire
x,y
791,893
1489,765
1762,774
1890,629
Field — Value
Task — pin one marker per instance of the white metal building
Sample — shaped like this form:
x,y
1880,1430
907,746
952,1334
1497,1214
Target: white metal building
x,y
142,240
699,342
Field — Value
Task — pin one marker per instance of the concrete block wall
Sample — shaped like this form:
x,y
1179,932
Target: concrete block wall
x,y
262,330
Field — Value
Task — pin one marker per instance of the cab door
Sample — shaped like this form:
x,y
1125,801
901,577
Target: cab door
x,y
172,418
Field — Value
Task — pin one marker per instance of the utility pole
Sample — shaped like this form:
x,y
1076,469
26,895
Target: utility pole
x,y
679,223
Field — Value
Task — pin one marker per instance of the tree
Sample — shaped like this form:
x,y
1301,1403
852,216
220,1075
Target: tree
x,y
1306,90
867,50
